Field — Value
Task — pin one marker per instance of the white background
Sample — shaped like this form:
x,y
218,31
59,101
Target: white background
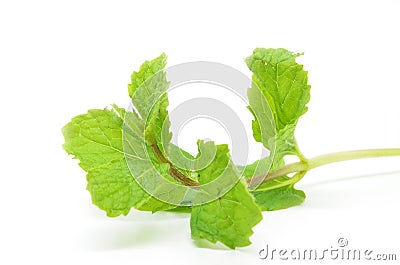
x,y
60,58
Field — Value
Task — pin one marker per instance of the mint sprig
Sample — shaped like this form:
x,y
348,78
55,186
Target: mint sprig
x,y
127,152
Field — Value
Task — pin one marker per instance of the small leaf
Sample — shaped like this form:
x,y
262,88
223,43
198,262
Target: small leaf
x,y
147,70
282,81
231,217
275,194
277,98
279,198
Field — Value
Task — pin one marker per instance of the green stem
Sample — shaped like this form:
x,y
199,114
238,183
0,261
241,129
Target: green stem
x,y
175,173
350,155
322,160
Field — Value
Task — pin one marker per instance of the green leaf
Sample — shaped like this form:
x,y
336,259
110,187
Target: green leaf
x,y
148,92
275,194
95,139
278,97
230,218
147,70
284,84
150,102
285,143
111,187
158,124
282,81
279,198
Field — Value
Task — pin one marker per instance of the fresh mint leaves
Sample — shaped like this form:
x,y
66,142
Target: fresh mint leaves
x,y
131,163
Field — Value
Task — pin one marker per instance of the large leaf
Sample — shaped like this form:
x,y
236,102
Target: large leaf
x,y
278,97
231,217
95,139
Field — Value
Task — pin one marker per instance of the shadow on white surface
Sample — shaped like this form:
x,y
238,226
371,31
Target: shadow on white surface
x,y
202,243
119,236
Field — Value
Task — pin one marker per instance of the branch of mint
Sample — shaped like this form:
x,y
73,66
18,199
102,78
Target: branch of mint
x,y
95,139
